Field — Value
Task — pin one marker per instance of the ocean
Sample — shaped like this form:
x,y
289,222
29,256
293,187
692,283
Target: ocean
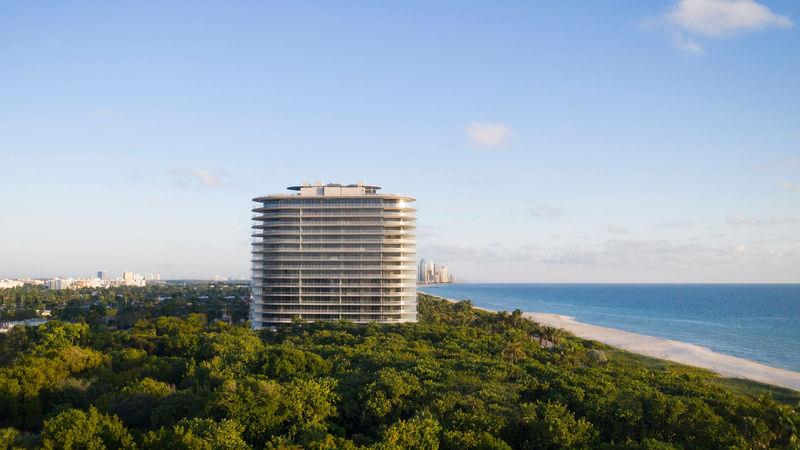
x,y
760,322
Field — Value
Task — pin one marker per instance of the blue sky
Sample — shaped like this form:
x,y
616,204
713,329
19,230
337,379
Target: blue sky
x,y
615,141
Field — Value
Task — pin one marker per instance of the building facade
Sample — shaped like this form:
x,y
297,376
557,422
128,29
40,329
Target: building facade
x,y
333,252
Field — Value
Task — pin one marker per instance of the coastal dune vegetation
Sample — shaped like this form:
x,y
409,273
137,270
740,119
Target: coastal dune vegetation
x,y
153,368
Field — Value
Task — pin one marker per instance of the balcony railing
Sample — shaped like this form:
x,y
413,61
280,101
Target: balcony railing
x,y
270,222
268,238
305,284
301,213
337,232
290,319
293,200
269,247
340,258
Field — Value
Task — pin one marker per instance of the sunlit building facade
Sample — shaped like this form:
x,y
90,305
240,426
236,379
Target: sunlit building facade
x,y
333,252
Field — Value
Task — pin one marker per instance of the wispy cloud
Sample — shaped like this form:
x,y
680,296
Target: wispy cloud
x,y
686,44
789,186
689,20
488,134
674,224
477,253
203,177
739,220
633,254
542,210
616,229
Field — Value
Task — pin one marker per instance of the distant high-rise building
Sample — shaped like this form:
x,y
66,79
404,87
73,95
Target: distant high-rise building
x,y
432,273
127,277
334,252
443,275
103,275
59,284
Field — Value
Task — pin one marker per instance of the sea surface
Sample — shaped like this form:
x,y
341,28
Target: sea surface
x,y
760,322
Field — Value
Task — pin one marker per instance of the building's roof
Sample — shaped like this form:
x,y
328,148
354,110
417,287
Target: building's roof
x,y
318,184
335,190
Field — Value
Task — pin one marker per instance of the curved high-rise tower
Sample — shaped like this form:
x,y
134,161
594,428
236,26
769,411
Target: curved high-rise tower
x,y
334,252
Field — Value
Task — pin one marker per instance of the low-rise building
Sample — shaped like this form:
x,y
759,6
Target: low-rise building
x,y
7,284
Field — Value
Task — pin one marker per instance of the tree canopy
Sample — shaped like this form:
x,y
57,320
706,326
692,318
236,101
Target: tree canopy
x,y
461,378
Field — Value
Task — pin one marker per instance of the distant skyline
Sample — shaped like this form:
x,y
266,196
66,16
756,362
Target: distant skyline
x,y
615,141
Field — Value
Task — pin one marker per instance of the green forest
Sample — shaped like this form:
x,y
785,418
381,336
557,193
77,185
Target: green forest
x,y
156,368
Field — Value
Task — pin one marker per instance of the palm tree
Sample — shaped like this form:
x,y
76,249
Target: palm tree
x,y
516,318
514,351
553,334
558,335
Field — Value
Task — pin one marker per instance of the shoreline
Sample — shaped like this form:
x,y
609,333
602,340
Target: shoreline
x,y
666,349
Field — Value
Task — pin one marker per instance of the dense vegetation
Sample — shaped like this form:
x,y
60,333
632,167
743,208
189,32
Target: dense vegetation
x,y
460,378
124,306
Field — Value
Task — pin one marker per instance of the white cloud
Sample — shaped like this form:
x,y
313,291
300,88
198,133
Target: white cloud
x,y
689,20
212,179
207,179
482,253
723,18
615,229
677,224
487,134
789,186
739,220
620,254
686,45
542,210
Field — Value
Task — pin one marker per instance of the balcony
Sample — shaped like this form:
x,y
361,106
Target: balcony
x,y
261,247
322,213
290,320
268,238
259,279
378,222
305,284
355,310
293,202
408,303
341,258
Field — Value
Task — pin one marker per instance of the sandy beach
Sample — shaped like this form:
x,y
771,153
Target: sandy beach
x,y
667,349
681,352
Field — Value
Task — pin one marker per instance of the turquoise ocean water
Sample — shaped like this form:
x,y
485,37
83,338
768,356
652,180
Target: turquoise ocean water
x,y
760,322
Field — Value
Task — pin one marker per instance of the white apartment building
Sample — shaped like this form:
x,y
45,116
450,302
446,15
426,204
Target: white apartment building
x,y
7,284
58,284
133,279
334,252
